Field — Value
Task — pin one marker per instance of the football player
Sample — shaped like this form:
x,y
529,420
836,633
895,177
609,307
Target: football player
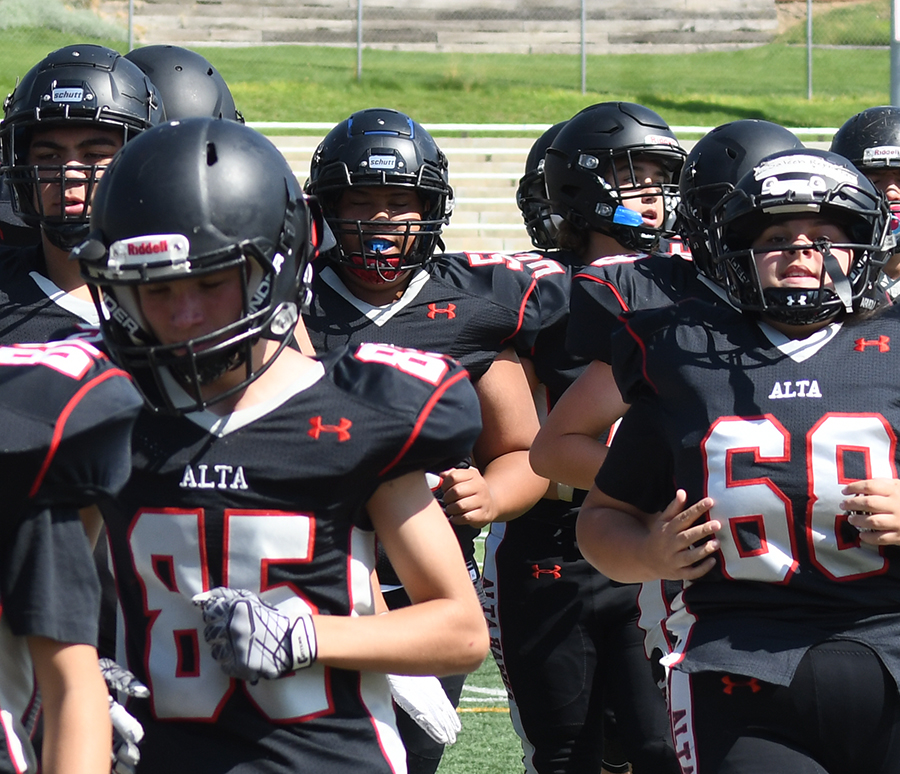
x,y
244,542
766,439
871,140
609,174
64,121
61,452
383,185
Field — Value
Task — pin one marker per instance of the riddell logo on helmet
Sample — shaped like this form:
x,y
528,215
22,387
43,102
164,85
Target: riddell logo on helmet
x,y
67,94
146,248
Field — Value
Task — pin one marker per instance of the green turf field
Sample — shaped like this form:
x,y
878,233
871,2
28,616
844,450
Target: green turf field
x,y
487,744
302,83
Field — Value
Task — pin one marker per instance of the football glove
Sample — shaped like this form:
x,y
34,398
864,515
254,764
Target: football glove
x,y
251,639
127,731
423,698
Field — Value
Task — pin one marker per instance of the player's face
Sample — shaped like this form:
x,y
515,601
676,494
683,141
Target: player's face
x,y
384,212
886,180
74,148
186,309
640,184
785,257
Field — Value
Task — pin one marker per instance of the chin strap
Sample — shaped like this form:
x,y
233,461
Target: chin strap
x,y
841,283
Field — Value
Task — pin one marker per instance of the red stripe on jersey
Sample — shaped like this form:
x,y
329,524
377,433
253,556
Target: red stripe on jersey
x,y
643,349
423,416
608,284
63,418
522,310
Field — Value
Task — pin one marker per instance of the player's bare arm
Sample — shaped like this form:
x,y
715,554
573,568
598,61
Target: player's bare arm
x,y
632,546
568,448
77,731
506,486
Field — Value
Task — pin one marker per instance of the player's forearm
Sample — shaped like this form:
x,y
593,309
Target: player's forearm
x,y
615,543
572,459
77,731
514,485
438,637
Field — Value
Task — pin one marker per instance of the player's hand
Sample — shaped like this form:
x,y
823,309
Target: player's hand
x,y
423,698
874,508
127,731
467,497
251,639
678,548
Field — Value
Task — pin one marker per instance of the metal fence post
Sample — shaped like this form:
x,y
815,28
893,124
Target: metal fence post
x,y
130,25
584,47
809,48
359,36
895,52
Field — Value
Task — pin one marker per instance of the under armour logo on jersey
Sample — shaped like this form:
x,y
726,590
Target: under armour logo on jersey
x,y
732,682
434,310
342,428
882,343
537,571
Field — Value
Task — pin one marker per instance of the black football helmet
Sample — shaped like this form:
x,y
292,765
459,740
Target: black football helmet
x,y
74,86
531,195
190,198
798,183
712,168
870,139
580,164
189,85
382,147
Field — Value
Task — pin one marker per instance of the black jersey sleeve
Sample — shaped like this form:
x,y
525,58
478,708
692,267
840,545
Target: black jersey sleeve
x,y
426,405
48,583
72,442
638,468
595,309
531,286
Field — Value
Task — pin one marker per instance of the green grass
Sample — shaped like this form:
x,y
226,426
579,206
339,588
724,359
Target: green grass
x,y
487,743
300,83
863,24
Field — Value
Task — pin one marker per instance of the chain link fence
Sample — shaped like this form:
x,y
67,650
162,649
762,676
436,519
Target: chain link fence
x,y
581,30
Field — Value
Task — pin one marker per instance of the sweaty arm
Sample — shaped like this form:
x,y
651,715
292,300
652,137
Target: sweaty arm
x,y
503,486
568,448
77,730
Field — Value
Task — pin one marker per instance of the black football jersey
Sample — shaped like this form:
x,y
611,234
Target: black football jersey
x,y
32,308
272,499
66,415
610,287
470,306
772,429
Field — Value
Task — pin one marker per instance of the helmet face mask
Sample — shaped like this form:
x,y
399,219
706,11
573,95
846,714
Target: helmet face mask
x,y
712,168
195,221
541,223
377,149
801,184
602,159
82,87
